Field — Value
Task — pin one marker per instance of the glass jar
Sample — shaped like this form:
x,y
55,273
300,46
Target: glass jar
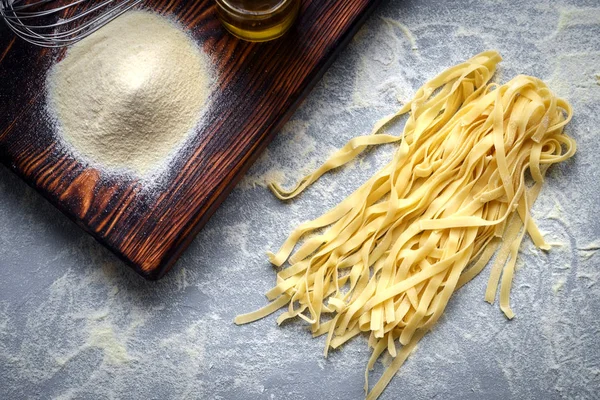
x,y
257,20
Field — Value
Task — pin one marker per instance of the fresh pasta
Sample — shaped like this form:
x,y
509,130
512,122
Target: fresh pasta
x,y
387,259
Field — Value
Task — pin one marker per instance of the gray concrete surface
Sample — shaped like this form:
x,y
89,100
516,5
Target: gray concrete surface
x,y
76,323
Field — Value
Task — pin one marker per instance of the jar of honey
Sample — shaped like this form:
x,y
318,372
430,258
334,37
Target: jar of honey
x,y
257,20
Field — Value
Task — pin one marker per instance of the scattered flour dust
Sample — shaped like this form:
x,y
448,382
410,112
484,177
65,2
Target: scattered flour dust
x,y
127,96
85,331
558,285
298,146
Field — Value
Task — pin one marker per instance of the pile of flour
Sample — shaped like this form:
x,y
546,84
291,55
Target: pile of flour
x,y
127,96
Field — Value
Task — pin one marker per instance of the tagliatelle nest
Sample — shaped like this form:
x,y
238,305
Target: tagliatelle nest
x,y
397,248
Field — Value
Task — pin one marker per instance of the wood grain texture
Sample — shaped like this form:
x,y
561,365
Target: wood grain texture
x,y
259,87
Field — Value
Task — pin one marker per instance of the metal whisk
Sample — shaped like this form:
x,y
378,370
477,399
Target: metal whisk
x,y
52,23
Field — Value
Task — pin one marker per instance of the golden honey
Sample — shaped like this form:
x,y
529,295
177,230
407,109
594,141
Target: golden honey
x,y
257,20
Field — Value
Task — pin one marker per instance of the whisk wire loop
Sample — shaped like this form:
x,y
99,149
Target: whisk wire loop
x,y
52,23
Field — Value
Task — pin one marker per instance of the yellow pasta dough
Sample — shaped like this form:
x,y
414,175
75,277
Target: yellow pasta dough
x,y
387,258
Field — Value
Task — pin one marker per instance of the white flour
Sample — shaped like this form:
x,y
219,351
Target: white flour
x,y
126,96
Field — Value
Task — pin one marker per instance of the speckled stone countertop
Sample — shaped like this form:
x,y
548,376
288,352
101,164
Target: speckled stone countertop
x,y
76,323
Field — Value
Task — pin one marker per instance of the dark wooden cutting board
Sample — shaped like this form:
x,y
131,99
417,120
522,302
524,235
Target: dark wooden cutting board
x,y
259,87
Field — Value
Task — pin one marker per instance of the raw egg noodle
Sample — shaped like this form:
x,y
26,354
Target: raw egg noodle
x,y
387,259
